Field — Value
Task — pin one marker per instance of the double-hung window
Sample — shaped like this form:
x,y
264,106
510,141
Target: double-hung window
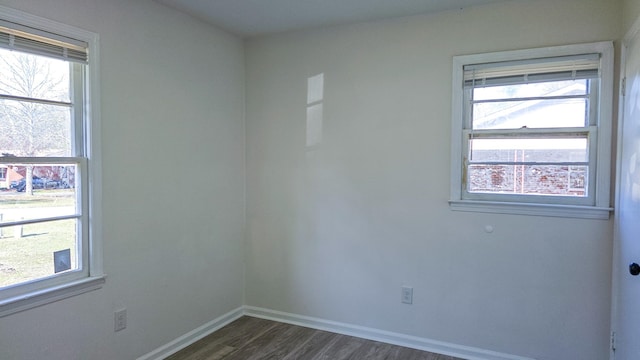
x,y
531,131
49,246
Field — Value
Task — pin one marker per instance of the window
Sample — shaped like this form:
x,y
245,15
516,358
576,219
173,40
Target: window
x,y
531,131
49,247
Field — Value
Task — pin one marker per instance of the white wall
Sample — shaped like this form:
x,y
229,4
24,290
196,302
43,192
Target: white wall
x,y
334,232
630,12
173,164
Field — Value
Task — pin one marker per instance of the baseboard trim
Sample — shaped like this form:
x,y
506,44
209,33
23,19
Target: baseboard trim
x,y
193,335
444,348
414,342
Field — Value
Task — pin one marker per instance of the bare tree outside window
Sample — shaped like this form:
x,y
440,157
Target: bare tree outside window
x,y
35,118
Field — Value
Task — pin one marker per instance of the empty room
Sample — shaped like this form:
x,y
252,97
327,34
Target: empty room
x,y
321,179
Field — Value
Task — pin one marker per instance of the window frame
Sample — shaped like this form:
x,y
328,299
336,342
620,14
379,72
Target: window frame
x,y
91,276
597,205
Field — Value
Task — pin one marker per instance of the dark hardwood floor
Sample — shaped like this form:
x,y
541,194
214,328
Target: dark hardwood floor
x,y
250,338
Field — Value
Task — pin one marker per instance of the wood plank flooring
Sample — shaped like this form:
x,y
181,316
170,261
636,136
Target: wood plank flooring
x,y
250,338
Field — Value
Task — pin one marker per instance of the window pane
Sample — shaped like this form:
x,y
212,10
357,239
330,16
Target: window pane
x,y
529,150
528,179
553,113
27,252
552,88
51,193
34,76
31,129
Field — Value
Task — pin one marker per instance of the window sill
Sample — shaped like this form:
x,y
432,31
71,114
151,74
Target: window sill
x,y
45,296
552,210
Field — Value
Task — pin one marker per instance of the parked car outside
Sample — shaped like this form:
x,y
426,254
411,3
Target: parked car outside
x,y
37,183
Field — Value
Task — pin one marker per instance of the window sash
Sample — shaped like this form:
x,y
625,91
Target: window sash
x,y
593,97
591,133
77,78
82,231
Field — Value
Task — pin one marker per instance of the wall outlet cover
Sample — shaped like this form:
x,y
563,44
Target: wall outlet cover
x,y
120,319
407,295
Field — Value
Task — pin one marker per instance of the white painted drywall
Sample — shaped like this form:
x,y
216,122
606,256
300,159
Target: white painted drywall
x,y
335,230
172,95
630,12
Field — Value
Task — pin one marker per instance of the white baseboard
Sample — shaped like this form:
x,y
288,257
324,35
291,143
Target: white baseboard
x,y
465,352
193,336
440,347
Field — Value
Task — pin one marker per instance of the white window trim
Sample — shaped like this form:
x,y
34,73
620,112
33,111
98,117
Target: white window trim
x,y
601,209
96,276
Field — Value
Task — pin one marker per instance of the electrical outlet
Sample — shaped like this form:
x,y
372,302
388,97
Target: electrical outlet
x,y
120,319
407,295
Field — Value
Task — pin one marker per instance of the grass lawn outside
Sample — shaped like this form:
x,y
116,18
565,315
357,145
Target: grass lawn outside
x,y
26,252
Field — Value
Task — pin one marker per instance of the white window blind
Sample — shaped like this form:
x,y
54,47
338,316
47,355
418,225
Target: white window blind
x,y
34,41
574,67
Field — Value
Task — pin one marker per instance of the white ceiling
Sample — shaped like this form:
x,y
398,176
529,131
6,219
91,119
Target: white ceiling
x,y
257,17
